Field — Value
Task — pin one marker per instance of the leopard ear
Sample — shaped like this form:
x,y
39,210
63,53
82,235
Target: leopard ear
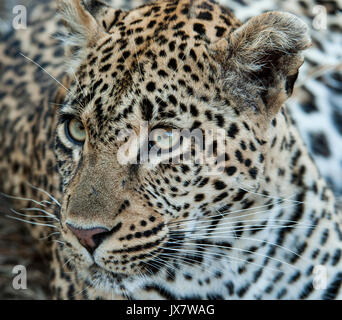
x,y
87,21
260,60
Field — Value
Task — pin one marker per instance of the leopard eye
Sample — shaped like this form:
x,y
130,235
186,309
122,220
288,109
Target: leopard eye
x,y
164,139
75,131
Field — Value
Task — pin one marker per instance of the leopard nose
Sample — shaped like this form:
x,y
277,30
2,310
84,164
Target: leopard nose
x,y
89,238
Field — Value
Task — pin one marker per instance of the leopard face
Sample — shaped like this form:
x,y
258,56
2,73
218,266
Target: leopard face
x,y
168,66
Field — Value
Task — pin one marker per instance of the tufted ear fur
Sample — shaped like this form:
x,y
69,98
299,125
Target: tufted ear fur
x,y
86,22
260,61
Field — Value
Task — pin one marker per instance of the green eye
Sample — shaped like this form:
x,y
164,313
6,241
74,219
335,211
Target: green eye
x,y
75,131
164,139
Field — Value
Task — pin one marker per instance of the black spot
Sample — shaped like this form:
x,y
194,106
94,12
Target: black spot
x,y
309,107
219,185
240,195
220,197
233,130
294,277
162,73
143,223
307,290
193,55
241,291
336,257
252,146
199,197
178,25
319,144
146,109
161,290
71,292
230,170
205,15
172,99
151,86
337,120
209,115
187,277
193,110
248,162
220,31
172,46
203,182
199,28
172,64
324,237
239,156
334,287
253,172
105,68
230,287
151,24
219,120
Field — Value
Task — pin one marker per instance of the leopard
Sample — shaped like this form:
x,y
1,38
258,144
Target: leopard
x,y
258,222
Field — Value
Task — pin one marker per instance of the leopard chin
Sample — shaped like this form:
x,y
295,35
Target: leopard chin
x,y
110,282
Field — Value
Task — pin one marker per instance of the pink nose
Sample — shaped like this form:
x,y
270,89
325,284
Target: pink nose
x,y
87,237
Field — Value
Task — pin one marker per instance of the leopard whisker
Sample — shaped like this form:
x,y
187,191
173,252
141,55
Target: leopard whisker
x,y
225,214
149,264
30,222
52,77
178,249
185,260
202,254
67,262
57,104
45,192
21,198
155,256
164,263
205,245
59,241
254,228
229,257
136,57
87,286
260,240
230,223
52,216
47,202
78,83
272,197
29,215
228,212
48,236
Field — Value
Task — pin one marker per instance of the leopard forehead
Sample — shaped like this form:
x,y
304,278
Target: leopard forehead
x,y
151,63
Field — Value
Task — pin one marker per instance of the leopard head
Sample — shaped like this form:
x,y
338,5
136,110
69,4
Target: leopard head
x,y
150,73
